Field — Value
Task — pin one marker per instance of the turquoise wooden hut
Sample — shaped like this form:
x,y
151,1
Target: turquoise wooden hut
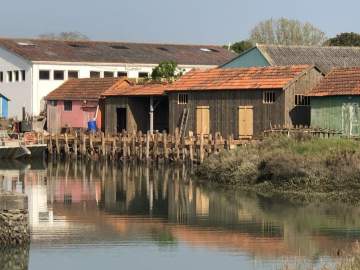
x,y
4,106
335,102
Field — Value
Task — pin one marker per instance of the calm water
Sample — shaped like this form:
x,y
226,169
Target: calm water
x,y
92,215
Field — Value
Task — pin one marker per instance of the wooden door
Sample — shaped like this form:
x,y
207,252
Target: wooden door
x,y
203,120
246,122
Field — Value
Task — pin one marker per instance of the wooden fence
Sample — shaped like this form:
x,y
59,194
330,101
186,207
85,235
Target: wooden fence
x,y
295,131
138,146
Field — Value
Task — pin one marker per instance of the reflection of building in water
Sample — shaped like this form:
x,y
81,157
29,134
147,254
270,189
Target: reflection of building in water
x,y
12,179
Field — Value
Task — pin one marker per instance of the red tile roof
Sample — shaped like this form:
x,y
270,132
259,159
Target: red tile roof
x,y
85,89
147,89
339,82
238,78
116,52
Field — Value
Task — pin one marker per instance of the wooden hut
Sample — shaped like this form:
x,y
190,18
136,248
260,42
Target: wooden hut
x,y
136,107
242,102
76,102
335,101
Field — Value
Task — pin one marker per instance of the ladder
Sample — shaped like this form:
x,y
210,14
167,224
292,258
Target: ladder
x,y
183,123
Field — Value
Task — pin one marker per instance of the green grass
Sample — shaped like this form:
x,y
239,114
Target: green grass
x,y
294,166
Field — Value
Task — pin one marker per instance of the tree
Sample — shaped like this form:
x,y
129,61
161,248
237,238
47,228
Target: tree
x,y
344,39
286,32
64,36
167,70
241,46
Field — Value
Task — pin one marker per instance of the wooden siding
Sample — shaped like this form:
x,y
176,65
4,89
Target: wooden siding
x,y
340,113
300,115
224,106
137,110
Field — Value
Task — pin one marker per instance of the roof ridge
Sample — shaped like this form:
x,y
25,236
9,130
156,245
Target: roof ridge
x,y
112,42
307,46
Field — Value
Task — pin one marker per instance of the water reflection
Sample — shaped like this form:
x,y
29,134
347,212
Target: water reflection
x,y
102,204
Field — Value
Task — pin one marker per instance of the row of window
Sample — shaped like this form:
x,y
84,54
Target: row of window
x,y
12,76
269,97
74,74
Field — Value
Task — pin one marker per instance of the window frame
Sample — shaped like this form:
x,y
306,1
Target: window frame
x,y
23,75
56,73
125,74
95,72
10,76
1,76
47,77
142,75
108,74
73,72
68,104
269,97
183,99
302,100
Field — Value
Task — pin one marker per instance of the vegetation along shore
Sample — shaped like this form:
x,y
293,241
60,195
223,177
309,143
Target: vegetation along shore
x,y
300,167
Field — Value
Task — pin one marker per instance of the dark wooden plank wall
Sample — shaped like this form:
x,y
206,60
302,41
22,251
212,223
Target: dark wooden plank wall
x,y
138,109
300,115
224,110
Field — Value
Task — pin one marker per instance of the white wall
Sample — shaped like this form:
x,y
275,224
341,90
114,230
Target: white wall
x,y
32,91
19,93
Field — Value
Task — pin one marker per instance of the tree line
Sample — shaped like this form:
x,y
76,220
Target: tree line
x,y
285,31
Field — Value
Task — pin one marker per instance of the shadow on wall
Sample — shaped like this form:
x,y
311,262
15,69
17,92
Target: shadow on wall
x,y
300,115
14,258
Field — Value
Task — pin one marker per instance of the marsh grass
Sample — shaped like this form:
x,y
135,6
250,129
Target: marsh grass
x,y
310,165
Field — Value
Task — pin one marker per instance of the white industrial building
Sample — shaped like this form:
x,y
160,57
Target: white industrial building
x,y
32,68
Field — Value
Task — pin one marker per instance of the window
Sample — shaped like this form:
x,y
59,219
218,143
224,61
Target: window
x,y
44,75
53,102
23,75
67,105
58,75
108,74
94,74
1,76
122,74
269,97
143,75
182,98
10,76
16,75
301,100
73,74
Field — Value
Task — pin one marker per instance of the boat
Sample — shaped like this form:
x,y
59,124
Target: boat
x,y
16,146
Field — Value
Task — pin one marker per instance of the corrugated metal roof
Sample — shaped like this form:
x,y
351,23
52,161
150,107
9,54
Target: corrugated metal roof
x,y
238,78
325,58
339,82
116,52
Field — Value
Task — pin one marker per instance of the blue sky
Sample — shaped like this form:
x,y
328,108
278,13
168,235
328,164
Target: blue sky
x,y
182,21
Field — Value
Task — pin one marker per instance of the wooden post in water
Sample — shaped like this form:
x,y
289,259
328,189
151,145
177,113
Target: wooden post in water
x,y
166,152
50,145
191,149
201,152
75,148
66,146
57,145
148,146
103,145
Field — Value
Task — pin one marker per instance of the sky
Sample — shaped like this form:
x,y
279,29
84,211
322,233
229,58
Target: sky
x,y
169,21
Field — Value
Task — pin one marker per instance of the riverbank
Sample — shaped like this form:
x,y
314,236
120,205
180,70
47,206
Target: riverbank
x,y
304,167
14,220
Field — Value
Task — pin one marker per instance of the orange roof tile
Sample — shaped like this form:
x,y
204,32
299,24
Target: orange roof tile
x,y
339,82
149,89
238,78
85,89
